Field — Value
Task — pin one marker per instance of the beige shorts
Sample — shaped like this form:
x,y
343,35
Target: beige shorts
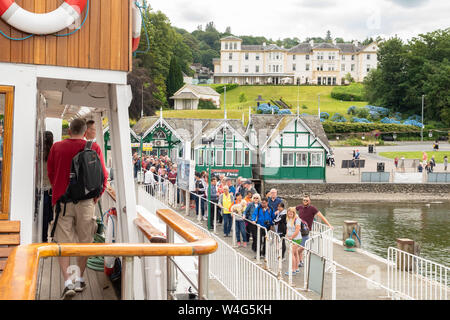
x,y
78,225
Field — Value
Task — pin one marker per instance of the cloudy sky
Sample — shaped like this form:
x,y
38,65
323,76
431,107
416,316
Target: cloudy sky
x,y
278,19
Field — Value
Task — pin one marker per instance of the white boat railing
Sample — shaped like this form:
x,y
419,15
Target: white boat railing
x,y
244,279
416,278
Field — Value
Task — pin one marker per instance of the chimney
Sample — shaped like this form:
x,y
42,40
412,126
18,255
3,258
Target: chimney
x,y
311,42
264,44
356,43
334,41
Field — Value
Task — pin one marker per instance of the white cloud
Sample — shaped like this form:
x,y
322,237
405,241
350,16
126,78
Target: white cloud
x,y
349,19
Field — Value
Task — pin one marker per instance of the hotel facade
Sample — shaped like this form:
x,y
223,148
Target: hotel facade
x,y
307,63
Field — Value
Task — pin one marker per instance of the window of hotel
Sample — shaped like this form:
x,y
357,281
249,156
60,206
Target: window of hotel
x,y
342,67
302,159
307,67
293,57
238,158
307,57
230,56
246,56
294,67
6,129
230,68
288,159
353,67
319,81
228,158
235,46
334,81
257,69
246,69
368,68
329,81
316,159
219,158
257,57
226,46
368,57
246,158
353,57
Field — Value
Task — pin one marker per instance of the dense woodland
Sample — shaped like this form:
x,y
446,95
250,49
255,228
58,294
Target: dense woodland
x,y
406,70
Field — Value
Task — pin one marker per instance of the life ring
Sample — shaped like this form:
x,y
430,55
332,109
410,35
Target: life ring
x,y
41,23
137,25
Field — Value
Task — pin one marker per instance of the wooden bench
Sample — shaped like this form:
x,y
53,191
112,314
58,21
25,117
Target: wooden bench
x,y
9,238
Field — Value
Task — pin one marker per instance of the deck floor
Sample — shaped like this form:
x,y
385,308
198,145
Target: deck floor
x,y
51,283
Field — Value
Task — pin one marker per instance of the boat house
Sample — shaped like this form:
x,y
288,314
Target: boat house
x,y
228,152
292,148
189,96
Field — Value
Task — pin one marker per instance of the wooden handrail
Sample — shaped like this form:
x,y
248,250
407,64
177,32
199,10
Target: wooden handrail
x,y
18,281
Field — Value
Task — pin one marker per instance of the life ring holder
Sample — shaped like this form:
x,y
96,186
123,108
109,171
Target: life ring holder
x,y
42,23
63,17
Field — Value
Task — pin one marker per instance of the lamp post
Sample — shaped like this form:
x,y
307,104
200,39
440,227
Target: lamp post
x,y
209,142
319,106
421,130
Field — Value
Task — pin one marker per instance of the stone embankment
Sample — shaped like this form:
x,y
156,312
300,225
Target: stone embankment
x,y
361,192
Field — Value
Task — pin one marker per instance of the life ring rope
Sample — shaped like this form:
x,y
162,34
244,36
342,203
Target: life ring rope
x,y
8,8
76,6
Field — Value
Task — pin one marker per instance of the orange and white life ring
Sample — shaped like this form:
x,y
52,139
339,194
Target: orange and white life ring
x,y
137,25
41,23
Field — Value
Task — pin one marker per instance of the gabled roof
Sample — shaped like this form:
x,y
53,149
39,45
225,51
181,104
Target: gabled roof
x,y
343,47
231,38
197,90
183,129
184,96
106,129
275,124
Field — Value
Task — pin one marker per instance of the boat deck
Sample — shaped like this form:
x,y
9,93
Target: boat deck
x,y
51,283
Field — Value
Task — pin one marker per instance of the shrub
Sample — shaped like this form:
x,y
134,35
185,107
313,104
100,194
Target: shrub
x,y
337,117
266,109
360,120
206,104
220,87
413,123
363,112
242,97
353,92
389,121
324,115
336,127
285,111
352,110
374,115
304,107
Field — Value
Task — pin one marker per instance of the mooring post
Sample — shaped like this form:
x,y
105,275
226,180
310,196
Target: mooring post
x,y
349,226
405,261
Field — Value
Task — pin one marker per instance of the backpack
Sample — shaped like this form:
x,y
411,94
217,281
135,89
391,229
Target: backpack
x,y
86,180
86,176
304,229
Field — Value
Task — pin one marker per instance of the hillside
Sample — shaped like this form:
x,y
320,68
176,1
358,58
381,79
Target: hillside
x,y
308,98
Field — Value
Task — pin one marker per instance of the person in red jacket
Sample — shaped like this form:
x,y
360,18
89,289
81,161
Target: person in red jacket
x,y
78,224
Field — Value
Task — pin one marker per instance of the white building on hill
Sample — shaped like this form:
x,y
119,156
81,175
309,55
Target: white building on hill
x,y
306,63
189,96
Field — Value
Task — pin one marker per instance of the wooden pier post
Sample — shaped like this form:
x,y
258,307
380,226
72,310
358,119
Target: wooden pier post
x,y
349,226
404,261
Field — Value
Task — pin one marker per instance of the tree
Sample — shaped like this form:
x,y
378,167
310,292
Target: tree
x,y
348,77
228,31
242,97
328,37
144,92
174,80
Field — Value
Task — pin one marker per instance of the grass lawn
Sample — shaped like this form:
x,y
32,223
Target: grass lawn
x,y
308,97
439,156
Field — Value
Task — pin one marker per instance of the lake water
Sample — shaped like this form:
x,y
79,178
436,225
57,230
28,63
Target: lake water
x,y
382,223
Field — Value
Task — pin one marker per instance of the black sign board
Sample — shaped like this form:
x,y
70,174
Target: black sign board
x,y
349,164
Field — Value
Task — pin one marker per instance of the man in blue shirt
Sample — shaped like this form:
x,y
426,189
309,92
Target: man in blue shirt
x,y
264,217
231,188
274,200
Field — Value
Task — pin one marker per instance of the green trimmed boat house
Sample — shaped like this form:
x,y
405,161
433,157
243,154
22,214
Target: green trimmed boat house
x,y
292,148
228,152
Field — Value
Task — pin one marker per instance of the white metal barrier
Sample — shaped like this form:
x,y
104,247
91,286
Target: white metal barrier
x,y
246,280
415,277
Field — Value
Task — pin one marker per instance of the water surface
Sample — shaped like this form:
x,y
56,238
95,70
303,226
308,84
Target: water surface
x,y
382,223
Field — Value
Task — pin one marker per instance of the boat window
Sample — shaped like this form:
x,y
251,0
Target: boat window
x,y
6,112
